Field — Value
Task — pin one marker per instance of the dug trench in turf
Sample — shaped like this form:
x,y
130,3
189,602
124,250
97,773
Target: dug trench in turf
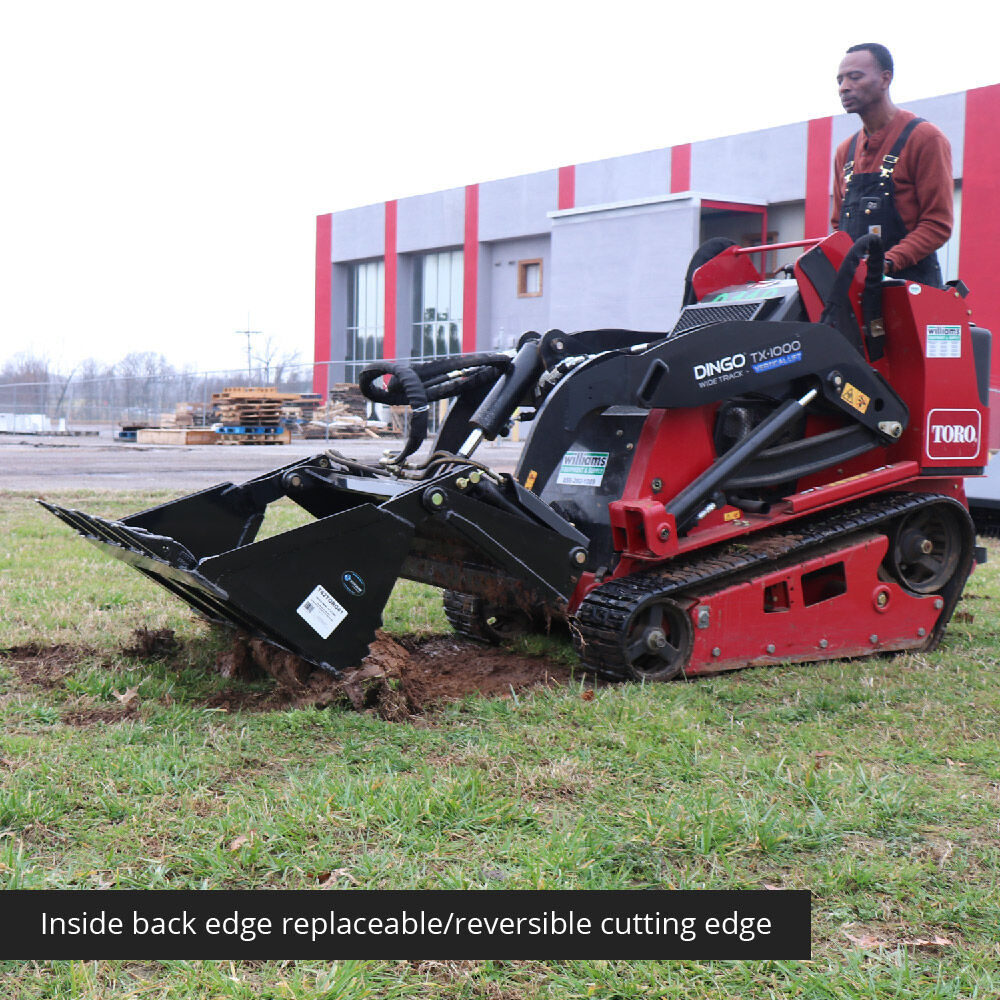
x,y
399,679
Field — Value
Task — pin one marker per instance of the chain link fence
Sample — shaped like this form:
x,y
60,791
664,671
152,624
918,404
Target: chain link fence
x,y
113,401
55,402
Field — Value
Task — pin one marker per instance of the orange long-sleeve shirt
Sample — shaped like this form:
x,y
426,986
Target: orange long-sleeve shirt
x,y
924,188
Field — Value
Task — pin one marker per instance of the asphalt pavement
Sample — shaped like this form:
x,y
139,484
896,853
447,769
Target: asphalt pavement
x,y
47,463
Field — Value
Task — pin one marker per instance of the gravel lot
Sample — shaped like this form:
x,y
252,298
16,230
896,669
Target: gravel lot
x,y
48,463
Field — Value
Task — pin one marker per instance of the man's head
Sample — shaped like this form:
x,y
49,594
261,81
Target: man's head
x,y
863,77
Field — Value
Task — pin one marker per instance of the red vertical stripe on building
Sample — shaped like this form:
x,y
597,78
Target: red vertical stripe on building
x,y
818,177
567,187
981,213
680,168
470,297
324,279
389,336
980,224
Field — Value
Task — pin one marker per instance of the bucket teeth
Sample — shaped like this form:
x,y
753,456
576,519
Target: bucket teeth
x,y
114,533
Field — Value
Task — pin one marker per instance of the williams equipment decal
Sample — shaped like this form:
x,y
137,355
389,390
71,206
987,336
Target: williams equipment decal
x,y
583,468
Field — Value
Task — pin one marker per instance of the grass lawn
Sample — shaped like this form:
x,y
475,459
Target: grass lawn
x,y
875,783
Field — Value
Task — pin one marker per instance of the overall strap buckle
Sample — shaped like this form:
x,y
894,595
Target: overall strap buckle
x,y
888,165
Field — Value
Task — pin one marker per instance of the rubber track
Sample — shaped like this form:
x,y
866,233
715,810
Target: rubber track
x,y
603,615
464,616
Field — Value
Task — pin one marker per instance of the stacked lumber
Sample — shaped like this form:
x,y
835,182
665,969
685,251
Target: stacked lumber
x,y
250,407
189,415
335,420
349,396
251,415
174,435
302,408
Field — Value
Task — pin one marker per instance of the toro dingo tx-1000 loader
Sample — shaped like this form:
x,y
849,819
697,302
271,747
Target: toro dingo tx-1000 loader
x,y
777,477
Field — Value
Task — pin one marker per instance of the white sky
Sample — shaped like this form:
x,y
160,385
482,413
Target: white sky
x,y
163,163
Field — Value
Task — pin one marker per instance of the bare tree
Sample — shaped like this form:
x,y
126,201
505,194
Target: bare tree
x,y
273,360
33,376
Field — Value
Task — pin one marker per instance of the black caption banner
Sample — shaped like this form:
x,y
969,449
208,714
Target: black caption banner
x,y
432,924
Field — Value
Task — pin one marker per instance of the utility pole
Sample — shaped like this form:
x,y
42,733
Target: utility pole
x,y
248,333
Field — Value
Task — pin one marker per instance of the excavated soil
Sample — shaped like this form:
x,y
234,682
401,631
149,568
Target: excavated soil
x,y
398,680
43,666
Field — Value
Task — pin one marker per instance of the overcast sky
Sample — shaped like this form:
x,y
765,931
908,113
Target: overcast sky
x,y
163,163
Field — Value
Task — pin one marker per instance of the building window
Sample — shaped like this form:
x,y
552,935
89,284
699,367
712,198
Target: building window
x,y
437,304
529,278
365,316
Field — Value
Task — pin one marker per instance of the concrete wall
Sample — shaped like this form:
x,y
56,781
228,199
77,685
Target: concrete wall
x,y
641,175
517,206
769,165
431,221
508,315
358,233
622,267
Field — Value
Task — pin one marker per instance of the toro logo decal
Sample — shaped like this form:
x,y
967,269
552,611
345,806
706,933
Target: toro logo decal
x,y
953,434
353,583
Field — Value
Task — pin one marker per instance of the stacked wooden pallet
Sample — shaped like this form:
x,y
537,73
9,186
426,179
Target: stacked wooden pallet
x,y
251,415
301,409
349,397
191,415
335,420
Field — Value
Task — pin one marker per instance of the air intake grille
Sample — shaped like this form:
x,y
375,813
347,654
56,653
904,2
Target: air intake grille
x,y
696,317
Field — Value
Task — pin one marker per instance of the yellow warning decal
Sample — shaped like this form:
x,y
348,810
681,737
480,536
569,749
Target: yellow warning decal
x,y
732,515
530,481
855,397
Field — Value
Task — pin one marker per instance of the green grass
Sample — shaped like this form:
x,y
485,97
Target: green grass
x,y
875,783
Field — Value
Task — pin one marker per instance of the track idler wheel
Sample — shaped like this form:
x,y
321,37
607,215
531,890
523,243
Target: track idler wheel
x,y
658,640
926,549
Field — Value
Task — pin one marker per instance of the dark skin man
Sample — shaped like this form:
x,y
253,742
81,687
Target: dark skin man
x,y
864,91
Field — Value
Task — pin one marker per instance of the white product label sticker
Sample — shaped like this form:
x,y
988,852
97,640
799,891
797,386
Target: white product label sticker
x,y
915,289
322,611
944,341
583,468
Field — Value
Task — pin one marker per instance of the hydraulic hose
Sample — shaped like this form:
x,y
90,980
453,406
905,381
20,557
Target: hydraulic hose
x,y
420,384
507,392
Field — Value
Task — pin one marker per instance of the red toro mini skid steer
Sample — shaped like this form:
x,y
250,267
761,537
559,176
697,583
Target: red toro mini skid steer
x,y
778,477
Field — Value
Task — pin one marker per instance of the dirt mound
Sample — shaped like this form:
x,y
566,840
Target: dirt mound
x,y
99,715
396,681
399,679
44,666
152,642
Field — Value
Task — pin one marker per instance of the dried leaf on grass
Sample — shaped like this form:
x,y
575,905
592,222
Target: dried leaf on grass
x,y
330,881
871,942
242,840
130,695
